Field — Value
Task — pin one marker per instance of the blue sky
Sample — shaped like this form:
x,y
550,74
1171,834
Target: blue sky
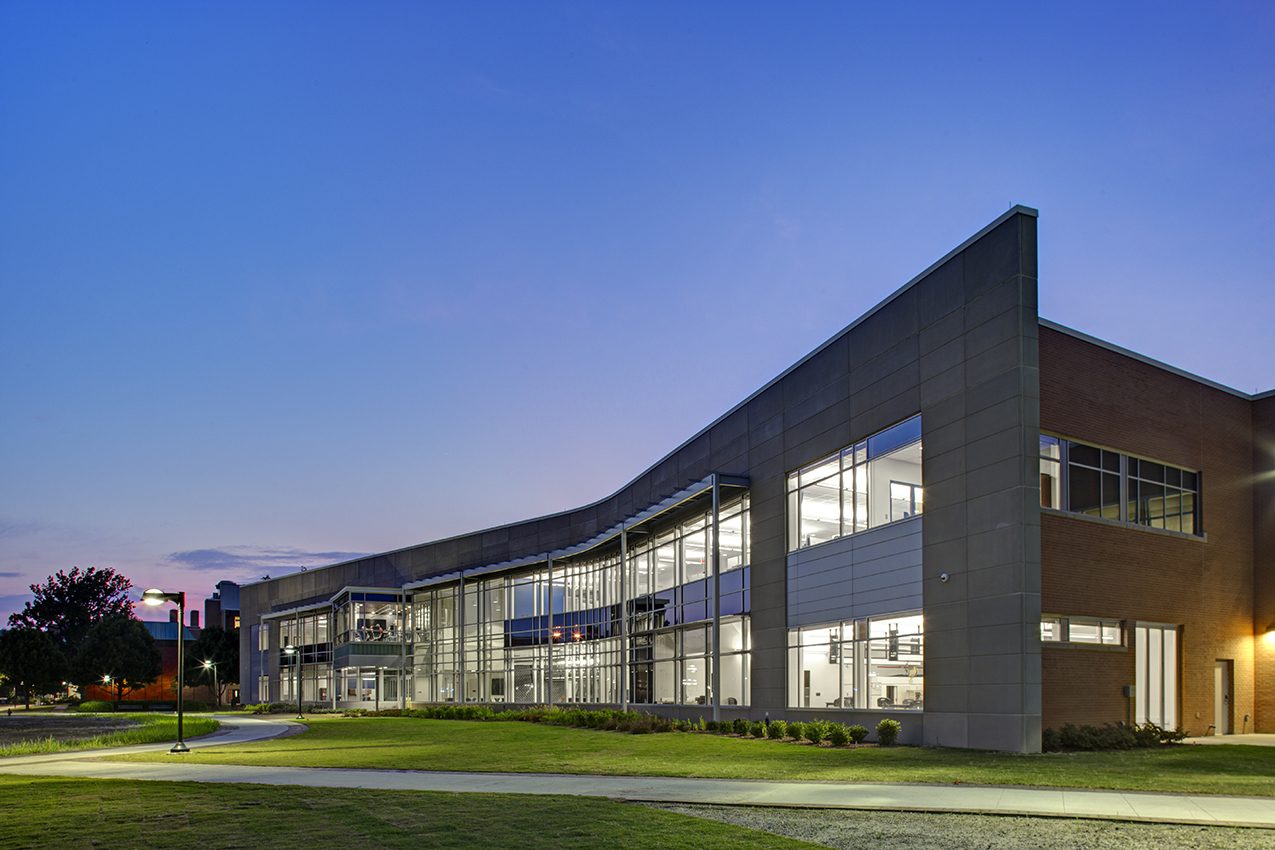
x,y
283,283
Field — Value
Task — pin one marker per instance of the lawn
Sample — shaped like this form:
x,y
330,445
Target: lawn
x,y
415,744
116,813
56,733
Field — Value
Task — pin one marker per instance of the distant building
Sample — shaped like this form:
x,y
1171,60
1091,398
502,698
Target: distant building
x,y
222,608
954,513
163,689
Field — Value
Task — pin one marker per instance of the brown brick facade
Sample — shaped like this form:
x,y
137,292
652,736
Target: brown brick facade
x,y
1095,568
1264,555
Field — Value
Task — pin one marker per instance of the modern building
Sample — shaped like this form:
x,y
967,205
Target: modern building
x,y
953,512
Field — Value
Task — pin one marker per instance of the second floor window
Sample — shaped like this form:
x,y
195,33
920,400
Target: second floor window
x,y
1086,479
871,483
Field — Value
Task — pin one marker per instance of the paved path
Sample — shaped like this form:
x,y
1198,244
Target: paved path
x,y
1116,805
1252,739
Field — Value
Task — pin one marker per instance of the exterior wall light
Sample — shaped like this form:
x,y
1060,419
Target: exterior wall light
x,y
154,597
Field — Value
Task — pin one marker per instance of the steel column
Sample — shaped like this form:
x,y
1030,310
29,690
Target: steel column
x,y
717,607
624,618
549,633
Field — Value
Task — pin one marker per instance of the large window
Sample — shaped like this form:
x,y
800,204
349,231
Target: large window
x,y
876,663
537,635
871,483
1084,479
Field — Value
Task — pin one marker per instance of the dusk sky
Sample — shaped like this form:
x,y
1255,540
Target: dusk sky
x,y
285,283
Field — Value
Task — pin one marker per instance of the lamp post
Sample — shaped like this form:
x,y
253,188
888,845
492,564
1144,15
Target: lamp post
x,y
212,665
155,597
292,653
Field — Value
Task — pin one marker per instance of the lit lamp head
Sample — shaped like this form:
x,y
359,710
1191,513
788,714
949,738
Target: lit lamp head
x,y
208,665
290,649
154,596
1270,633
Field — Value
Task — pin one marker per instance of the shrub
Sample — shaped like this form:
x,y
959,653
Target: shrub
x,y
857,733
740,726
776,730
1164,736
1113,736
816,730
757,729
1146,735
94,705
838,735
888,731
796,730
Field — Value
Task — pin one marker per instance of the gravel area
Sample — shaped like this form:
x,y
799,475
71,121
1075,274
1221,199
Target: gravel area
x,y
852,830
15,729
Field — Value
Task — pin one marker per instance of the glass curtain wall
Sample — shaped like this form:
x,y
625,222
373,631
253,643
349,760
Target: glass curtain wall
x,y
511,622
871,483
309,633
875,663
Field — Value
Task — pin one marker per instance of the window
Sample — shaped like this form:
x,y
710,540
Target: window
x,y
871,483
1085,479
1156,676
876,663
513,624
1082,630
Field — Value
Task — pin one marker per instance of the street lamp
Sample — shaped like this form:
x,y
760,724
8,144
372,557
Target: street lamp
x,y
291,652
212,665
155,597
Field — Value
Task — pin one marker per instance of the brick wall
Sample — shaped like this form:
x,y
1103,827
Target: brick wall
x,y
1094,568
1264,572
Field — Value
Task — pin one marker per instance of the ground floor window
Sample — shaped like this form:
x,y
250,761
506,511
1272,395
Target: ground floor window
x,y
875,663
669,666
1156,677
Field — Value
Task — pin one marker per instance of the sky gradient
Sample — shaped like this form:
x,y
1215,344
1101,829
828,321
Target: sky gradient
x,y
286,283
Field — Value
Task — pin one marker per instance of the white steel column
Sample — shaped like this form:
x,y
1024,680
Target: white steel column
x,y
624,618
459,677
402,649
717,607
549,633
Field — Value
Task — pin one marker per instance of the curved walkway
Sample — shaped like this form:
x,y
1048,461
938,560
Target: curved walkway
x,y
234,729
1038,802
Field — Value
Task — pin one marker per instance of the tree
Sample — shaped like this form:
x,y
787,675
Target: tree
x,y
121,648
221,647
68,605
31,661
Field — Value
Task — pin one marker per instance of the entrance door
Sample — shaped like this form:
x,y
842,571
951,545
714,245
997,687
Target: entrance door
x,y
1222,697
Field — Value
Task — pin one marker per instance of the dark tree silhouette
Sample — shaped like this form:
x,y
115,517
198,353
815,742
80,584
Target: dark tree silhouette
x,y
68,605
31,661
221,647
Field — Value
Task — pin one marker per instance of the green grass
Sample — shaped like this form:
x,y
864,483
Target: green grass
x,y
150,729
43,813
414,744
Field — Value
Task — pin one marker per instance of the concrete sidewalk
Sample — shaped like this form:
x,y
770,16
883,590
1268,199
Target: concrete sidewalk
x,y
1040,802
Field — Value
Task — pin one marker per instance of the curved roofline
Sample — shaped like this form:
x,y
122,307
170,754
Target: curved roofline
x,y
1017,209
